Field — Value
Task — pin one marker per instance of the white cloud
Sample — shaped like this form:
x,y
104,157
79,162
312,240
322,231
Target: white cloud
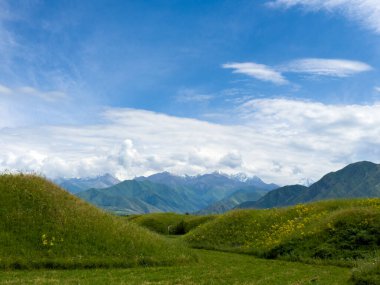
x,y
5,90
326,67
49,96
377,88
258,71
7,118
312,66
232,160
8,40
190,95
279,140
366,12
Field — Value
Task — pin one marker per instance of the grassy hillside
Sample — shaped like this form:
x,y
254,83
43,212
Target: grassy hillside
x,y
44,226
338,231
169,223
213,268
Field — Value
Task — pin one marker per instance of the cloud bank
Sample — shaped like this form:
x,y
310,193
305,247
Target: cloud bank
x,y
280,140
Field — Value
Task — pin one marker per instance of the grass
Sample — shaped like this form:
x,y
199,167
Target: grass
x,y
169,223
367,273
43,226
212,268
338,232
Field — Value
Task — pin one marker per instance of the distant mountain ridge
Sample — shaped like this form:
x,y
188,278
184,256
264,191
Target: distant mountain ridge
x,y
249,193
76,185
165,192
212,186
253,181
356,180
132,196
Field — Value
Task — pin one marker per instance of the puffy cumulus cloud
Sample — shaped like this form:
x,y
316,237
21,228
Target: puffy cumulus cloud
x,y
366,12
281,141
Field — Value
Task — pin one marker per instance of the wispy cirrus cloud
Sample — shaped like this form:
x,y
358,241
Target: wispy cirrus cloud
x,y
366,12
8,42
310,66
191,95
49,96
258,71
326,67
5,90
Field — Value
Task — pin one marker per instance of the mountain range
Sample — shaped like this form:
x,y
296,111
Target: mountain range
x,y
76,185
361,179
217,192
132,197
165,192
249,193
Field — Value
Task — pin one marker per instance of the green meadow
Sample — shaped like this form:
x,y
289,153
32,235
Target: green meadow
x,y
48,236
212,268
340,232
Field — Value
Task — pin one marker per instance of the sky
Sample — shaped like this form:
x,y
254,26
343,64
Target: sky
x,y
283,89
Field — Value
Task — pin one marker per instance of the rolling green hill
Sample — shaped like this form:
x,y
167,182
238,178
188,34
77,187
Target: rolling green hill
x,y
338,231
357,180
45,226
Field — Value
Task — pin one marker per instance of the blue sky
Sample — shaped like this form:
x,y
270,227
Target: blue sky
x,y
270,88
